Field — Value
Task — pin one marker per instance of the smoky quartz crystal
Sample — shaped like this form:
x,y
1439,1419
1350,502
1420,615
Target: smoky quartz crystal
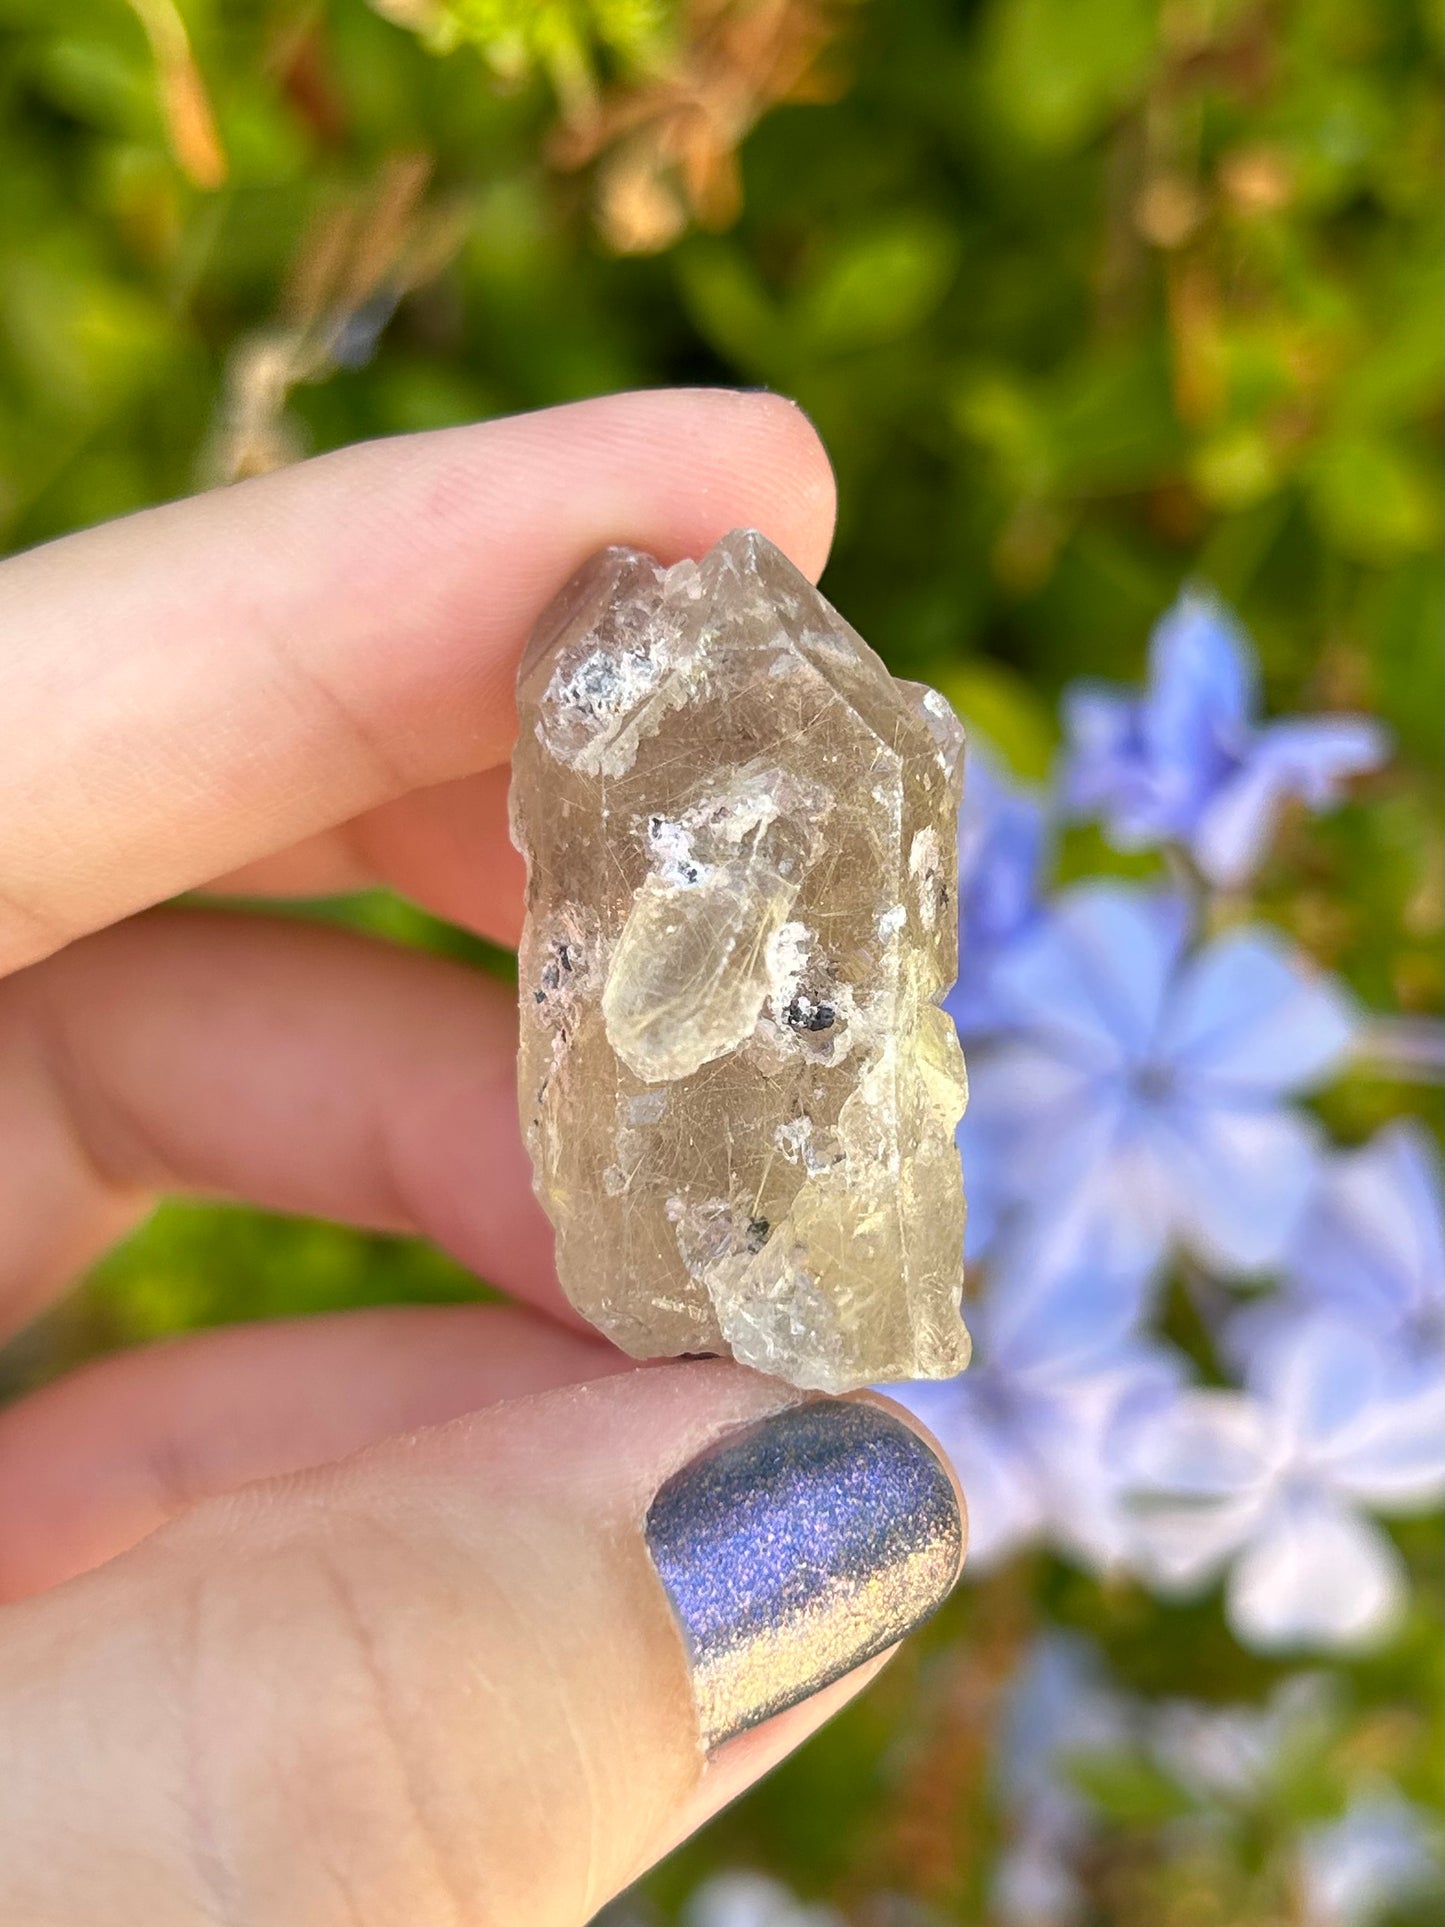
x,y
738,1086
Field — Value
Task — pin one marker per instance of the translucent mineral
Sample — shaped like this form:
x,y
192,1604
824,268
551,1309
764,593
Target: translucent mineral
x,y
737,1085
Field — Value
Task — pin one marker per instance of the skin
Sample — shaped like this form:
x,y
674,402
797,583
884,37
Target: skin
x,y
349,1619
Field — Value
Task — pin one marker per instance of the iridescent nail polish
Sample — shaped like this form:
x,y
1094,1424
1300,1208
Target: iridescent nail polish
x,y
796,1549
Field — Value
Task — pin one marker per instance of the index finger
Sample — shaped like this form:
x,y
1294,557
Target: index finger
x,y
201,685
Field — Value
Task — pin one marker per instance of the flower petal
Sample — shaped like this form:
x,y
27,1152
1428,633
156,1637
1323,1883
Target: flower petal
x,y
1201,695
740,1898
1094,975
1075,1436
1000,855
1040,1123
1233,833
1034,1884
1106,772
1250,1018
1237,1180
1308,759
1312,756
1364,1420
1006,1508
1396,1462
1060,1298
984,1185
1393,1456
1316,1574
1199,1472
1372,1243
1206,1445
1381,1852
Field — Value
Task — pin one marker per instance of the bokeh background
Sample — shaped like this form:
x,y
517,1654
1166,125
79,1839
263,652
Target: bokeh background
x,y
1091,299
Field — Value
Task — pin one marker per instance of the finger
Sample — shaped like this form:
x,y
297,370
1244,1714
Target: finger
x,y
204,684
94,1462
447,848
471,1675
304,1068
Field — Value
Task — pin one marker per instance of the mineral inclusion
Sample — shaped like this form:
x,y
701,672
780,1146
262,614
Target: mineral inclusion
x,y
737,1085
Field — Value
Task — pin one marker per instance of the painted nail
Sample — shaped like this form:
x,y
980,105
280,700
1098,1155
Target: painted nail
x,y
795,1549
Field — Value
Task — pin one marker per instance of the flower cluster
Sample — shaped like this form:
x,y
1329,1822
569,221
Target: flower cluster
x,y
1275,1802
1140,1058
1072,1742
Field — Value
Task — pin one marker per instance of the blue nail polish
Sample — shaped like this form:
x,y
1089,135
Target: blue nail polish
x,y
796,1549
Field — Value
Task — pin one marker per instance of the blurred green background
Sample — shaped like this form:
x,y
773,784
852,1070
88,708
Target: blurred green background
x,y
1087,297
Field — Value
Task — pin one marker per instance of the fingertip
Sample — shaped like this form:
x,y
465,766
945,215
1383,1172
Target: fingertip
x,y
791,457
720,459
684,465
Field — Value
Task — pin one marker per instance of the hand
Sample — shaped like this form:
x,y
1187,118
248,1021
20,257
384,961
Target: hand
x,y
272,1652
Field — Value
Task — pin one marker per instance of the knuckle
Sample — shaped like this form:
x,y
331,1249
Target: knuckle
x,y
318,1794
385,1732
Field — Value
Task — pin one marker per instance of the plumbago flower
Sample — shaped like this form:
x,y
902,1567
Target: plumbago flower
x,y
1229,1765
1371,1245
1383,1852
986,1185
1001,842
1185,761
1141,1084
1057,1373
1370,1251
1273,1484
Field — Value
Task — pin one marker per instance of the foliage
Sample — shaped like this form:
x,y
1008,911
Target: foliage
x,y
1093,300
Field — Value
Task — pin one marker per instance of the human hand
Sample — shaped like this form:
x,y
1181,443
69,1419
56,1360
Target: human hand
x,y
289,1639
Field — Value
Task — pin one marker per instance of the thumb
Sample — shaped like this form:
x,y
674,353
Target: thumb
x,y
485,1674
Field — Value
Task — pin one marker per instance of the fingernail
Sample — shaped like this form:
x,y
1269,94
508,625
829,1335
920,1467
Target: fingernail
x,y
798,1548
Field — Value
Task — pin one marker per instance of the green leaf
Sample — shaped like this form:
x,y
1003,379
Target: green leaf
x,y
1373,499
1060,68
1127,1787
876,287
998,707
730,306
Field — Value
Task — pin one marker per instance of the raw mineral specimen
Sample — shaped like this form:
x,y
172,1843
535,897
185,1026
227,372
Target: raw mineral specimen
x,y
737,1086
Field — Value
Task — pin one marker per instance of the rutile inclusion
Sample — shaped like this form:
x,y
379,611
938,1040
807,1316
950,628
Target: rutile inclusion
x,y
737,1085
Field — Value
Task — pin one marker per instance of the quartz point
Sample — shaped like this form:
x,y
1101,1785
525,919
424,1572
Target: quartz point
x,y
737,1085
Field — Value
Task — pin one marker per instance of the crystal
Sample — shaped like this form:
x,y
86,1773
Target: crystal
x,y
737,1085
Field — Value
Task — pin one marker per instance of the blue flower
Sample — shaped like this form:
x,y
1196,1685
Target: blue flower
x,y
985,1184
1372,1243
1226,1762
1273,1484
1370,1249
1001,836
1186,763
1030,1426
1380,1854
1143,1083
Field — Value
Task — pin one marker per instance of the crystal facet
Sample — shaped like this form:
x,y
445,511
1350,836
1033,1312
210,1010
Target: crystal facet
x,y
737,1085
